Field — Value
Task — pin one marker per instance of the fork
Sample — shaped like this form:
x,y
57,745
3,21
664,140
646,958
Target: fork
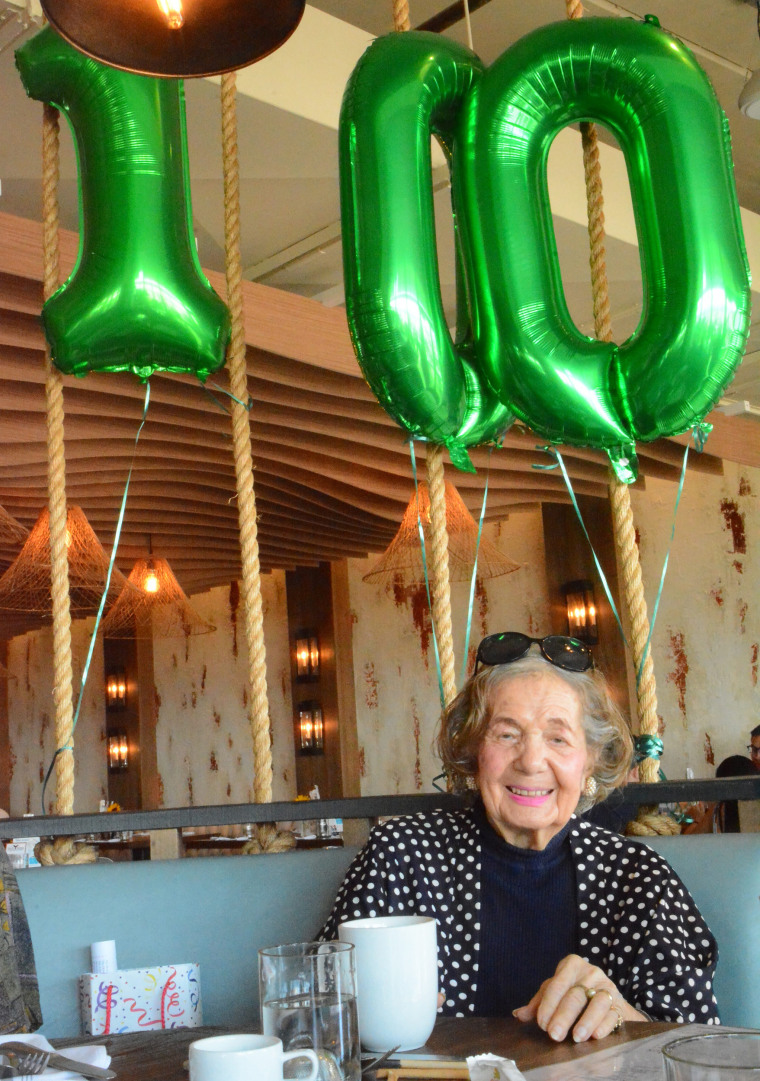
x,y
29,1060
32,1061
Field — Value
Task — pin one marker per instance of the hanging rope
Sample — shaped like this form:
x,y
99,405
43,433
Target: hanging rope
x,y
439,569
258,705
439,539
62,850
620,497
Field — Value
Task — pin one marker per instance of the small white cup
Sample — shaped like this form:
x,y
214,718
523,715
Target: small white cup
x,y
396,977
243,1058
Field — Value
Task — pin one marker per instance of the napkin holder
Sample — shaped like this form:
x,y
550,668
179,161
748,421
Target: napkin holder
x,y
141,999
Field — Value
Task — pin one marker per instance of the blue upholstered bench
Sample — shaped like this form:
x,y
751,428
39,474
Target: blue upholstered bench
x,y
220,911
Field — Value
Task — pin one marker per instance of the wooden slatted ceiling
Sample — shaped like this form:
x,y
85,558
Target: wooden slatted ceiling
x,y
333,475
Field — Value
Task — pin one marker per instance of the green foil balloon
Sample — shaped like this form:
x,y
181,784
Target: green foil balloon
x,y
525,350
137,299
405,88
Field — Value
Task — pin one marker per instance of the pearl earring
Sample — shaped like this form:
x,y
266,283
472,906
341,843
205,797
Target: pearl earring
x,y
590,788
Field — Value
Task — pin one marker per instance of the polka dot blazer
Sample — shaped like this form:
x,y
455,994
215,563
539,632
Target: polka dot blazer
x,y
635,918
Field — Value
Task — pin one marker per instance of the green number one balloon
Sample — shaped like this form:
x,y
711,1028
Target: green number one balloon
x,y
648,89
137,299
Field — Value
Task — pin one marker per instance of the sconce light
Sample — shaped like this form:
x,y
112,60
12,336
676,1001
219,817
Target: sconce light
x,y
116,690
307,656
581,611
311,729
118,751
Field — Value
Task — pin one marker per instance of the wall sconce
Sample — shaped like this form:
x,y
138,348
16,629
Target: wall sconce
x,y
116,690
311,728
118,751
307,656
581,611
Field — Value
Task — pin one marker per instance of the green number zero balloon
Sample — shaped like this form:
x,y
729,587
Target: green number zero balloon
x,y
524,349
137,299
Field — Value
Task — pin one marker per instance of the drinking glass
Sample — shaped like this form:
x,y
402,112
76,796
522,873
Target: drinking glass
x,y
397,978
307,992
713,1056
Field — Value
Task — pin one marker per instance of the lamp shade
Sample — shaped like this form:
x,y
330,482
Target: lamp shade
x,y
138,35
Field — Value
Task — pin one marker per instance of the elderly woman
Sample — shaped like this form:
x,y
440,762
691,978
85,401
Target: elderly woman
x,y
540,914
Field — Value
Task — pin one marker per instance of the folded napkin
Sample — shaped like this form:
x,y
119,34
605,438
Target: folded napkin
x,y
94,1055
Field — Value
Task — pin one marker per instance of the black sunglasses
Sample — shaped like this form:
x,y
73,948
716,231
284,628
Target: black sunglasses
x,y
558,649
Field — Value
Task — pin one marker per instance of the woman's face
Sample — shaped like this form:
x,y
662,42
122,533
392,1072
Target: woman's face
x,y
533,761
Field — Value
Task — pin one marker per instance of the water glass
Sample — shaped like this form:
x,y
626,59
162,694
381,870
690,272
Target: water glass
x,y
397,979
307,992
713,1056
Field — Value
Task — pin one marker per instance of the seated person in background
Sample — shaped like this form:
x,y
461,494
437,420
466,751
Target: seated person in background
x,y
540,914
727,812
19,995
754,746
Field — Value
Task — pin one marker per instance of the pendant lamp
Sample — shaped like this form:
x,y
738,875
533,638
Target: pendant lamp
x,y
153,605
175,38
25,586
403,557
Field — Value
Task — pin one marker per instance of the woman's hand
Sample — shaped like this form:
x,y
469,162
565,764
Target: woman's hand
x,y
563,1003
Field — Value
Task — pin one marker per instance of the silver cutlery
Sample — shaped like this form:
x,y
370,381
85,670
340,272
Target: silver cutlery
x,y
378,1062
31,1060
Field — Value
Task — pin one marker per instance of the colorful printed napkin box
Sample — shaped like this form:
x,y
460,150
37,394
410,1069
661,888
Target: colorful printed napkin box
x,y
141,999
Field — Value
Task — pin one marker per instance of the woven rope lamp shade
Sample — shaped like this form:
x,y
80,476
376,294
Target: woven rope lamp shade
x,y
25,586
153,605
403,556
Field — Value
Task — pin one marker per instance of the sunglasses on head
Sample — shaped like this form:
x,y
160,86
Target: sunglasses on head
x,y
558,649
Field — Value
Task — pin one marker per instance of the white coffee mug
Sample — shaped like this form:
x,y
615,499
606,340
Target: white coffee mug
x,y
243,1058
396,978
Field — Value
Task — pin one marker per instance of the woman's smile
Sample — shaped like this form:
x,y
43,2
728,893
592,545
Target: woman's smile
x,y
532,797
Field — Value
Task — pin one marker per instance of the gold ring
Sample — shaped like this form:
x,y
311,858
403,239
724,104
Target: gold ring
x,y
619,1021
600,991
589,992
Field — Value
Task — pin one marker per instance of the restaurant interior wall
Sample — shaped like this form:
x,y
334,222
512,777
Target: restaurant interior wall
x,y
705,646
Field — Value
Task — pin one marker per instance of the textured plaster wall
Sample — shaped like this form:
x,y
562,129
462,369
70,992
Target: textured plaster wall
x,y
397,697
204,743
705,643
31,724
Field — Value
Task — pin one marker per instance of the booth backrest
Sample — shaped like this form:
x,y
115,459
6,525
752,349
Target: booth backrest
x,y
722,873
220,911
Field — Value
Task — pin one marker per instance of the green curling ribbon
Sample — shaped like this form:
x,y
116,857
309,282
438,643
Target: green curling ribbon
x,y
516,344
648,747
137,299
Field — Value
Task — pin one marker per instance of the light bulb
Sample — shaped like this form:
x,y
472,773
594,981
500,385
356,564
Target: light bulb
x,y
172,10
150,585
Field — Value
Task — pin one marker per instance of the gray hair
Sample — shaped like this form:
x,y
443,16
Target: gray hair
x,y
466,719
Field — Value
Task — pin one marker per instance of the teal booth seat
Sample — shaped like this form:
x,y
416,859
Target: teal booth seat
x,y
220,911
722,873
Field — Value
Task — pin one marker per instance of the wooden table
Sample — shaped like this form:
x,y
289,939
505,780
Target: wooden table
x,y
160,1056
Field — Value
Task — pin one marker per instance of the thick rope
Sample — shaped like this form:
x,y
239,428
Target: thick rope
x,y
622,514
61,850
439,569
258,703
440,586
401,20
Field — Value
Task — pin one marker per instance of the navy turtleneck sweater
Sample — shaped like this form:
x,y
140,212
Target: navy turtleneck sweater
x,y
527,918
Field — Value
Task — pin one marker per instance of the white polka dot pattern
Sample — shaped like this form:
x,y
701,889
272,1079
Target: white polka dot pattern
x,y
636,920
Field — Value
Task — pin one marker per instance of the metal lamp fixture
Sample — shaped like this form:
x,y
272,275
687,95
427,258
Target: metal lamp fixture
x,y
118,751
175,38
307,656
116,690
311,728
581,611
